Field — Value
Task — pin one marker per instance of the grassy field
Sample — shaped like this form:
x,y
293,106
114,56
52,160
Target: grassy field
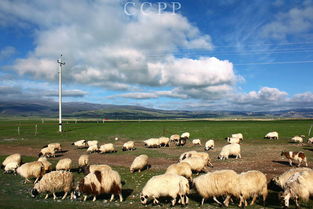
x,y
14,194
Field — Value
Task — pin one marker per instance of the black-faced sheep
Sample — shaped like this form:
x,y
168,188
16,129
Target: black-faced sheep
x,y
196,142
130,145
296,156
33,169
209,145
92,149
271,135
139,163
164,141
80,143
205,156
152,143
174,138
238,135
47,152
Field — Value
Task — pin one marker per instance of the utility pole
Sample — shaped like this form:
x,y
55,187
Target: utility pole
x,y
59,61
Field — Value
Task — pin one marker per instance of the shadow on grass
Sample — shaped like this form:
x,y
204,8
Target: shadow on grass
x,y
309,149
281,162
63,151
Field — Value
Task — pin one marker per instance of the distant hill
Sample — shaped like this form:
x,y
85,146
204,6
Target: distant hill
x,y
90,110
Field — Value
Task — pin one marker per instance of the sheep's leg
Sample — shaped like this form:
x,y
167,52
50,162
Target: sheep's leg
x,y
216,200
94,198
202,201
182,199
47,195
72,195
246,203
253,199
64,196
226,201
36,180
26,180
112,197
290,162
85,198
139,171
155,201
54,196
173,201
300,161
306,163
121,197
210,164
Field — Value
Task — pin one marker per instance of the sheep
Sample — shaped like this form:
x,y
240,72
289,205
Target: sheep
x,y
174,138
94,168
47,165
299,186
310,140
205,156
92,148
251,184
197,164
196,142
107,148
17,158
64,164
171,185
130,145
232,140
152,143
181,169
164,141
271,135
53,182
217,183
83,161
296,156
209,145
281,180
139,163
47,152
181,142
185,135
80,143
106,181
297,139
55,146
11,167
230,149
238,135
32,169
91,143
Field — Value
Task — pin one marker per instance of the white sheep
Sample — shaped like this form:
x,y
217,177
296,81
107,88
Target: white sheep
x,y
281,180
299,186
197,164
92,148
196,142
53,182
209,145
130,145
64,164
182,169
11,167
215,184
228,150
296,156
164,141
139,163
238,135
17,158
80,143
101,167
185,135
297,139
251,184
55,146
174,138
310,140
83,161
164,185
107,148
91,143
152,143
205,156
46,164
47,152
233,140
271,135
32,169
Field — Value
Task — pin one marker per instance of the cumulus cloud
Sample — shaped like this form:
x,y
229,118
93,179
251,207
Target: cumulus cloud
x,y
67,93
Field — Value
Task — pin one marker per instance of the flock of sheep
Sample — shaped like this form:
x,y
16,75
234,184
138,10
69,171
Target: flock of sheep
x,y
176,182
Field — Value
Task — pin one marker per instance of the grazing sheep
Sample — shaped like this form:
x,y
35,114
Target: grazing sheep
x,y
281,180
238,135
107,181
55,146
185,135
139,163
92,148
271,135
197,164
53,182
91,143
209,145
80,143
64,164
310,140
130,145
217,183
297,139
94,168
46,164
33,169
181,142
174,138
232,140
152,143
17,158
299,186
164,141
107,148
11,167
296,156
228,150
164,185
181,169
196,142
251,184
83,161
205,156
47,152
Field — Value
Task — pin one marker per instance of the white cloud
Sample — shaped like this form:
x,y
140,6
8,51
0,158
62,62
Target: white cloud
x,y
7,52
67,93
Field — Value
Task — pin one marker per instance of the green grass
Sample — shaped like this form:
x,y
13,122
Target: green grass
x,y
15,194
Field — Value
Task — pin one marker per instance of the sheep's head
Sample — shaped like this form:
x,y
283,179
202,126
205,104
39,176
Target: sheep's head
x,y
34,193
143,199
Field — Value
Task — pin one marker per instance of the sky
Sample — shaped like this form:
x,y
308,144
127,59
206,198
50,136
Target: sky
x,y
245,55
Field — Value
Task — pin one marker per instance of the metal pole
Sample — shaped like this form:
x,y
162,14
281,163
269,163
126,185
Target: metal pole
x,y
60,92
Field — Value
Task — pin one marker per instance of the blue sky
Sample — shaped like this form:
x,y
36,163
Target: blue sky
x,y
207,55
